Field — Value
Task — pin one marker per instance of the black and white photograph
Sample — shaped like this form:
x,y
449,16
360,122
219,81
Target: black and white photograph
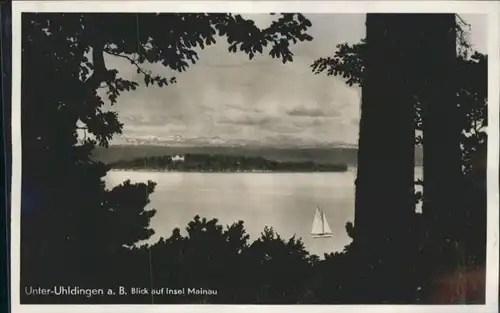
x,y
169,156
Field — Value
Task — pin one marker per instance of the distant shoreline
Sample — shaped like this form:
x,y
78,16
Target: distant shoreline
x,y
350,169
226,172
216,163
320,155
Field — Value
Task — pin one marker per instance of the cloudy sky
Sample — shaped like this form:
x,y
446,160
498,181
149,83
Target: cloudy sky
x,y
228,97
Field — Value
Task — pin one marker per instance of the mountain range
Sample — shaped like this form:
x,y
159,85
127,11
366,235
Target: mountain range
x,y
284,141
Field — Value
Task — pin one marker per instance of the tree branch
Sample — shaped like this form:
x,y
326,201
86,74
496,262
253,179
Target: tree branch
x,y
134,62
462,20
100,73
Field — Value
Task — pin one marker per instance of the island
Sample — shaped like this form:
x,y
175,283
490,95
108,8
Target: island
x,y
221,163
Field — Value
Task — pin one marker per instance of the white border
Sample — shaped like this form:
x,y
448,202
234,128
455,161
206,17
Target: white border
x,y
492,9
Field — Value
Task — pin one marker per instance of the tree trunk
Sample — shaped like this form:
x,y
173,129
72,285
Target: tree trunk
x,y
385,179
441,132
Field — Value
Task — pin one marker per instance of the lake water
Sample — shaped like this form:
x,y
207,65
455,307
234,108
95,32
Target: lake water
x,y
285,201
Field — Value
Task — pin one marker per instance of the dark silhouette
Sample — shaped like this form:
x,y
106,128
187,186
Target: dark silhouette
x,y
453,105
58,235
441,142
383,247
77,234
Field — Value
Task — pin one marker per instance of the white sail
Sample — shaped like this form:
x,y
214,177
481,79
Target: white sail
x,y
326,227
317,226
320,228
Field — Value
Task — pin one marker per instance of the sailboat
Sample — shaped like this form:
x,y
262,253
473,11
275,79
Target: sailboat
x,y
320,227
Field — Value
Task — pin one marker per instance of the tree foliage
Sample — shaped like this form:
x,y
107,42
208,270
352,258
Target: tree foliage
x,y
347,62
69,218
172,40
